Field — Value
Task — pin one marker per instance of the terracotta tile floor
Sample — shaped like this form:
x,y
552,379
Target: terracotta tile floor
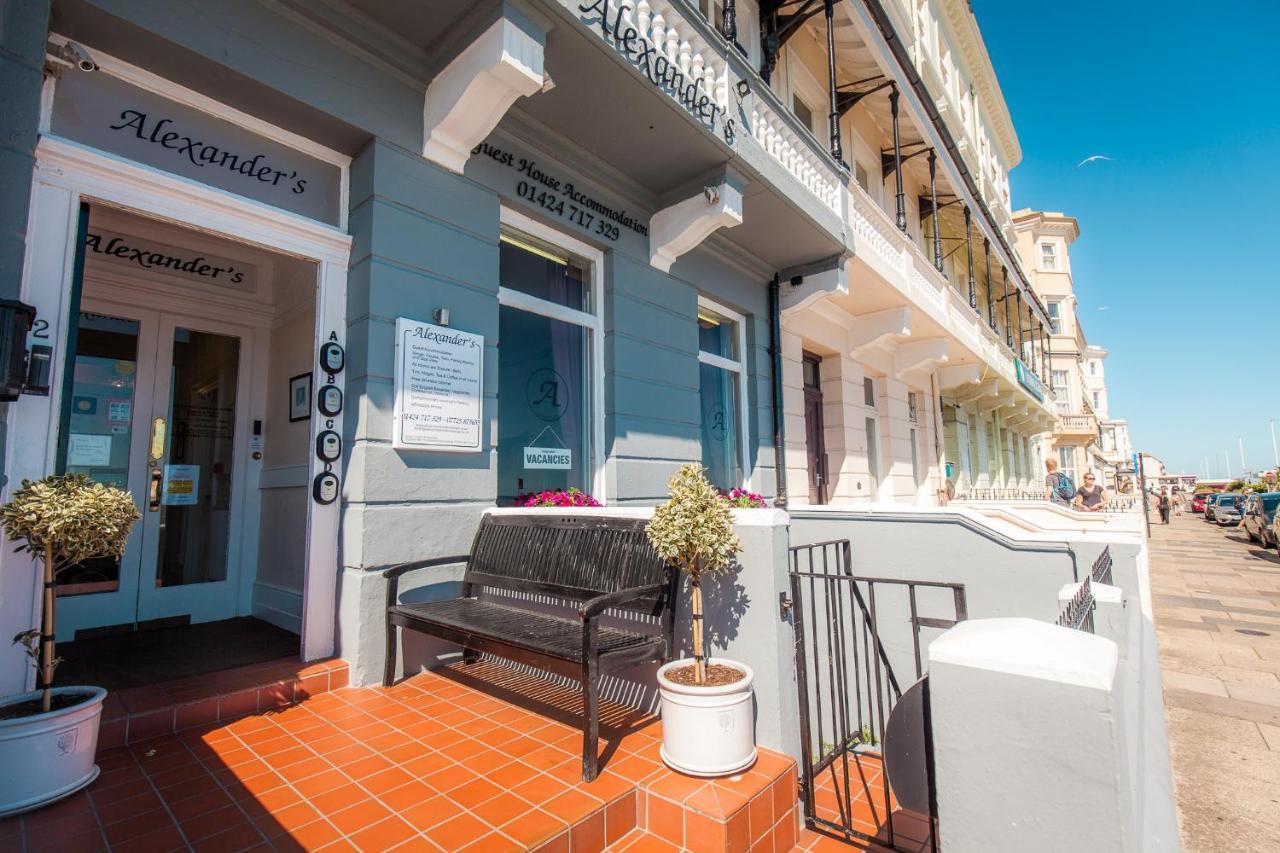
x,y
864,809
474,758
140,713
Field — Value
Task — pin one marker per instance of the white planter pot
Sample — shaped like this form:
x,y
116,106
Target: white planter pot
x,y
707,731
48,756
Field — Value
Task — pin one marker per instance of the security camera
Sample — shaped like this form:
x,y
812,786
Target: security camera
x,y
74,54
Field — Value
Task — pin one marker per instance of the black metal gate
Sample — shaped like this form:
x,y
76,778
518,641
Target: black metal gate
x,y
851,633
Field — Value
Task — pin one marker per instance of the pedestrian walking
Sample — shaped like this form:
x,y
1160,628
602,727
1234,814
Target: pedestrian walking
x,y
1165,506
1058,486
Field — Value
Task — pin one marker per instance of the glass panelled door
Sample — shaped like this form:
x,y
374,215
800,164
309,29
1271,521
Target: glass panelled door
x,y
157,408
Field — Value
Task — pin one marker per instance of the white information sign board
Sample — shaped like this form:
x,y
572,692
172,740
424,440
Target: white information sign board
x,y
437,385
89,450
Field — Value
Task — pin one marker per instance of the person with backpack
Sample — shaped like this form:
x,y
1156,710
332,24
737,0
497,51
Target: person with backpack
x,y
1059,488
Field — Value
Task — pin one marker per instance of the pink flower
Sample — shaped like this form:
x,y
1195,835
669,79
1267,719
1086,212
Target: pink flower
x,y
557,498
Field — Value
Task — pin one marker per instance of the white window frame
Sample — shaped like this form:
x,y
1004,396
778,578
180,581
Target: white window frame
x,y
1069,470
739,368
1055,321
802,84
1048,256
592,321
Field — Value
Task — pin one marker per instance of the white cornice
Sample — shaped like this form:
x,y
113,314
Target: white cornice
x,y
964,26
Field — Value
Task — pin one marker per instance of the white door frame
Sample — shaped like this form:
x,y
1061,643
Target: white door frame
x,y
65,175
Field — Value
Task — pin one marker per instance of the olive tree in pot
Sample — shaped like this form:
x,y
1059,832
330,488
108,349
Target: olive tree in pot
x,y
708,726
52,733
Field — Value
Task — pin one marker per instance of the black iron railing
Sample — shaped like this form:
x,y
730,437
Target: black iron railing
x,y
1078,612
1101,571
1002,495
850,631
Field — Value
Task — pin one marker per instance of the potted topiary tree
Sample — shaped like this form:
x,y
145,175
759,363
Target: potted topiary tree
x,y
708,726
51,734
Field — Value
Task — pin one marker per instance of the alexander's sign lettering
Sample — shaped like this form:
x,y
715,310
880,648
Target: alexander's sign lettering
x,y
109,114
140,254
121,248
202,154
655,66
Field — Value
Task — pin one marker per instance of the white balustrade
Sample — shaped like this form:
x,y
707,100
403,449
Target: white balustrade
x,y
785,146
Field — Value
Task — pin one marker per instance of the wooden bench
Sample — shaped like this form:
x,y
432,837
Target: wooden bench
x,y
596,563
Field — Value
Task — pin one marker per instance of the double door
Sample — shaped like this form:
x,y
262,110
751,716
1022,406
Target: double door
x,y
158,407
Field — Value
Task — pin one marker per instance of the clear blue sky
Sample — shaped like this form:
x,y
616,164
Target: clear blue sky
x,y
1180,232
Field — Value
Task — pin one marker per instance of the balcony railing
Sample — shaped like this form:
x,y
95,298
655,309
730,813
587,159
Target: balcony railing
x,y
1077,424
678,33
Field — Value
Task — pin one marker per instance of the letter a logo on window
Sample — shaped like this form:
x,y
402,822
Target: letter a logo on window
x,y
547,394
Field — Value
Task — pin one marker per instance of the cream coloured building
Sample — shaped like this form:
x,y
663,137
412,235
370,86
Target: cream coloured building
x,y
914,367
1084,438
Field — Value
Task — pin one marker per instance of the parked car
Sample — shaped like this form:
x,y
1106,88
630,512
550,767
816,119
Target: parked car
x,y
1229,510
1259,516
1214,501
1198,499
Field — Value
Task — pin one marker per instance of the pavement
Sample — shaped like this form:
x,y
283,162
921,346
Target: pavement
x,y
1217,612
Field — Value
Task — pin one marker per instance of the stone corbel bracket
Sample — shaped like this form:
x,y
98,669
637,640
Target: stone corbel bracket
x,y
920,355
954,376
466,100
878,331
680,227
806,286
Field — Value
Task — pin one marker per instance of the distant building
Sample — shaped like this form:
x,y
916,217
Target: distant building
x,y
1084,436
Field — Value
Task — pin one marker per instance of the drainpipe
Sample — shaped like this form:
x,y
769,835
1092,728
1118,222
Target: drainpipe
x,y
775,357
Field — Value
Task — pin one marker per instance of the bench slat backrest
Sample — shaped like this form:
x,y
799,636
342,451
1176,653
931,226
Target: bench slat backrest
x,y
575,557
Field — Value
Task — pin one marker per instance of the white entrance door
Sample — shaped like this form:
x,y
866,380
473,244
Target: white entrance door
x,y
159,406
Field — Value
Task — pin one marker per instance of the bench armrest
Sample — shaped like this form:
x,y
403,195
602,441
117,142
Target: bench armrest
x,y
404,568
593,607
393,574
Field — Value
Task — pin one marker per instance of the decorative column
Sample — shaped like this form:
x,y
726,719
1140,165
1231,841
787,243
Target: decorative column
x,y
730,27
834,117
991,295
933,199
968,248
897,160
1044,354
1017,294
1008,325
1031,327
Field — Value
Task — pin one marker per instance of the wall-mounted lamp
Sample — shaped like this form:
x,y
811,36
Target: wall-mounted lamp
x,y
441,316
16,319
743,88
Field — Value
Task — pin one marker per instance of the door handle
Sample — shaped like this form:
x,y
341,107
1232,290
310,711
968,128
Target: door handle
x,y
157,439
153,490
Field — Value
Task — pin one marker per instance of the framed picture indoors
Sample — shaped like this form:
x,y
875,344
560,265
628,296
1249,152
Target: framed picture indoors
x,y
300,397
